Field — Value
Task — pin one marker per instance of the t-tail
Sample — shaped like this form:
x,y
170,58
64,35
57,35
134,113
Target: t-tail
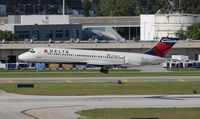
x,y
162,47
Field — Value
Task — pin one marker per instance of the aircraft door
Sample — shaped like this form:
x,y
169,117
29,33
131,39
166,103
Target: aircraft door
x,y
124,59
38,54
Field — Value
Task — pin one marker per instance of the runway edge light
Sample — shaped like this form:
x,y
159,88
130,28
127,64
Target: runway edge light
x,y
125,81
68,81
10,82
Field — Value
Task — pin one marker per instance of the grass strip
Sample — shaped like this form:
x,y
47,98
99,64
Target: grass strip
x,y
132,88
93,73
127,113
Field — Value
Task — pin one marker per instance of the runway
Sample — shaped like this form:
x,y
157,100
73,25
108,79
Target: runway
x,y
14,106
102,79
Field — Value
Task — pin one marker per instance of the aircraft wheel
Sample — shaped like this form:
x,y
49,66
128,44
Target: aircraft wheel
x,y
105,71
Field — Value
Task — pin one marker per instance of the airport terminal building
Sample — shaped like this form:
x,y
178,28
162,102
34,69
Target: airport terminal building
x,y
43,28
58,32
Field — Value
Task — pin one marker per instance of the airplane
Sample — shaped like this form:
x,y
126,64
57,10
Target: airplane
x,y
103,59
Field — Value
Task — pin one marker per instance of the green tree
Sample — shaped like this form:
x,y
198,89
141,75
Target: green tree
x,y
193,31
7,35
153,6
86,5
117,8
164,6
187,6
137,7
181,34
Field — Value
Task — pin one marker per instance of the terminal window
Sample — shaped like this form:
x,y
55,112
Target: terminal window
x,y
67,34
49,34
23,34
59,33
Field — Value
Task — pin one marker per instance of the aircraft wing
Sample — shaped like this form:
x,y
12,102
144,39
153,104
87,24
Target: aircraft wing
x,y
101,63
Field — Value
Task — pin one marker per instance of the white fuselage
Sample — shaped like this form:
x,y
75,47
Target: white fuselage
x,y
91,57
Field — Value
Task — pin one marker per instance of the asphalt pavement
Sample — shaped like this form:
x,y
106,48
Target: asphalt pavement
x,y
14,106
101,79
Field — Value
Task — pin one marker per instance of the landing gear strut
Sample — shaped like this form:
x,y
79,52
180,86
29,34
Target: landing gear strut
x,y
104,70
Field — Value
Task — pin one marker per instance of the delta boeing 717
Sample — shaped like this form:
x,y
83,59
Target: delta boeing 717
x,y
103,59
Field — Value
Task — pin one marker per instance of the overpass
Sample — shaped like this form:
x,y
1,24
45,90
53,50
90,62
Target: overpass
x,y
130,21
126,46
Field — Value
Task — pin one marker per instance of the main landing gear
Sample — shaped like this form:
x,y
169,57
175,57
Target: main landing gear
x,y
104,70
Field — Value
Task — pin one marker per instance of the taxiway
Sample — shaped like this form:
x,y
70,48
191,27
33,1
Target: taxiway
x,y
14,106
102,79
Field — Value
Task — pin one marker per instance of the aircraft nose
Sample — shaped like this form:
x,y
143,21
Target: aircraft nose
x,y
22,57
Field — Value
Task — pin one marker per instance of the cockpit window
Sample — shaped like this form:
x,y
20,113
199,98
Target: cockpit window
x,y
31,50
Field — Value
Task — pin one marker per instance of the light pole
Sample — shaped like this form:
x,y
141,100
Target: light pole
x,y
168,17
38,6
46,8
129,30
180,5
63,7
34,6
136,34
115,23
24,7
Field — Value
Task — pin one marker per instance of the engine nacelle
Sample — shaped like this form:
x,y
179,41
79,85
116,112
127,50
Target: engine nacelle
x,y
136,61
